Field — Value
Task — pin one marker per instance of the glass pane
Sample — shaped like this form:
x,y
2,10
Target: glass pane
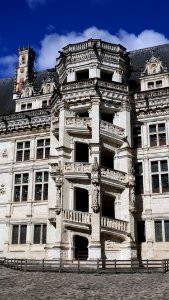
x,y
166,224
38,177
38,191
164,181
162,139
27,144
153,140
138,168
25,178
39,153
45,192
15,231
26,154
154,166
46,175
19,155
158,231
164,166
23,234
44,234
17,193
37,230
161,127
47,143
24,193
47,150
20,145
40,143
17,178
152,128
155,183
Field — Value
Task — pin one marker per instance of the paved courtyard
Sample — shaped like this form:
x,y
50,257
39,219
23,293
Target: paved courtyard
x,y
18,285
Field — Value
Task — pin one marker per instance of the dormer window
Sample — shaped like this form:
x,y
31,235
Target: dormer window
x,y
81,75
150,85
158,83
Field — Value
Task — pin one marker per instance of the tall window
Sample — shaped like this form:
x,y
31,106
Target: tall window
x,y
23,151
137,137
21,187
138,178
160,182
157,134
19,234
41,185
158,231
40,234
43,148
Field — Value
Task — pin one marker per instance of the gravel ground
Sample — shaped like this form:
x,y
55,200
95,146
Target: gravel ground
x,y
17,285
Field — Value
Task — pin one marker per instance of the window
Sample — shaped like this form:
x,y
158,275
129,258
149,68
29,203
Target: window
x,y
19,234
21,187
141,232
43,148
138,178
158,231
150,85
26,106
160,182
161,230
137,137
81,75
158,83
157,134
106,75
23,151
44,103
40,234
41,185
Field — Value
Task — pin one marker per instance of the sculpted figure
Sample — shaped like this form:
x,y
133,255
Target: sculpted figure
x,y
95,198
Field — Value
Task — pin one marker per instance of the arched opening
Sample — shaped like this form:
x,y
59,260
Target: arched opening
x,y
81,247
108,206
107,159
81,198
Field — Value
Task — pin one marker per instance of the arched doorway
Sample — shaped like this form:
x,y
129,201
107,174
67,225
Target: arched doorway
x,y
81,247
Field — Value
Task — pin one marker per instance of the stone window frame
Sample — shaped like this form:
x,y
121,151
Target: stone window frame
x,y
43,186
44,148
26,106
157,133
20,239
43,234
21,185
24,149
160,172
164,235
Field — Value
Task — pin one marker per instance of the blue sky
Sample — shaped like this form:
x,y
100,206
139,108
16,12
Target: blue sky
x,y
47,25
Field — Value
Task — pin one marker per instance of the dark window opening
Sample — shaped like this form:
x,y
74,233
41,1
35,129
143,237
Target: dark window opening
x,y
81,152
137,142
106,75
81,247
138,178
107,117
141,231
15,234
84,114
158,231
80,75
81,199
107,159
108,206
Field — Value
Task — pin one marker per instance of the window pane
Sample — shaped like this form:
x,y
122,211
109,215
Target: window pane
x,y
154,166
25,178
152,128
164,181
19,156
37,230
24,193
17,178
27,144
153,140
46,174
155,183
47,143
26,154
38,177
19,145
45,192
17,193
39,153
15,231
47,150
162,139
44,234
23,234
38,191
161,127
164,166
40,143
166,224
158,231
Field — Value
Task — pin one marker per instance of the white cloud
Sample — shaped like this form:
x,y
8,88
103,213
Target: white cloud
x,y
8,65
33,3
54,42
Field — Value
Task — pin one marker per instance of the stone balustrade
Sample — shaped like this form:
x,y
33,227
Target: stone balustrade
x,y
114,224
152,93
77,216
114,174
77,122
77,167
106,126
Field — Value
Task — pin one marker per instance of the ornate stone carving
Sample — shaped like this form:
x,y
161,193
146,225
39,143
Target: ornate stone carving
x,y
112,128
95,197
77,122
4,153
2,189
77,167
113,174
58,200
132,204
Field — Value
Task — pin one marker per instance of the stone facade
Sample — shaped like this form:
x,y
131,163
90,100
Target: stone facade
x,y
84,156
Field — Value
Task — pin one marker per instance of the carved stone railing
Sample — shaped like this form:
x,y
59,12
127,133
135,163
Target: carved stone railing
x,y
77,216
152,94
114,174
106,126
77,122
78,84
114,224
112,85
79,167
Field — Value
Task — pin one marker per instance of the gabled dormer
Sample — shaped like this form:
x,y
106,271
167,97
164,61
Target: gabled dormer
x,y
155,75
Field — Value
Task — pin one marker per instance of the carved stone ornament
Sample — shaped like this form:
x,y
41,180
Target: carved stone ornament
x,y
58,200
5,153
95,198
132,205
95,171
2,189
